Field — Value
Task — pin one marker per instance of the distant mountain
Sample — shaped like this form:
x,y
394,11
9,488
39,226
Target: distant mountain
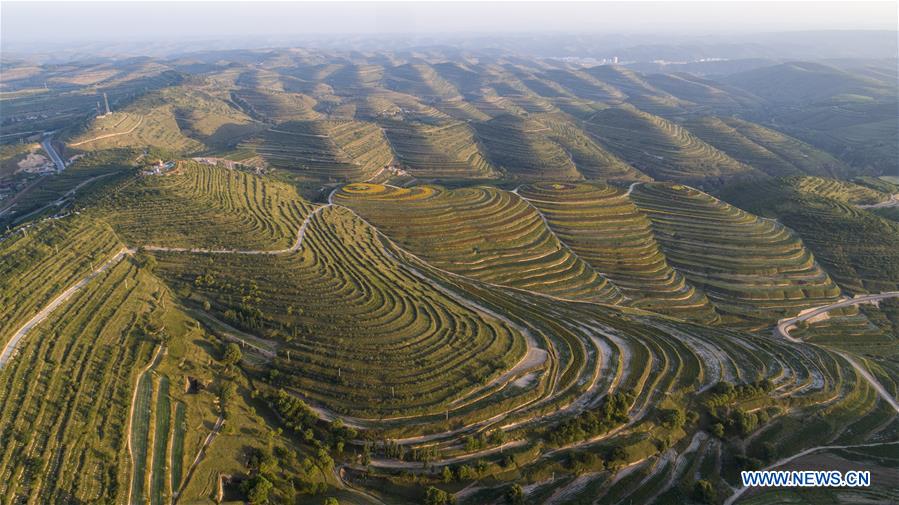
x,y
806,82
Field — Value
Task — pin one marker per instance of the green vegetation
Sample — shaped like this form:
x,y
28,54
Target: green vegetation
x,y
496,237
445,149
507,290
858,248
752,269
241,210
334,150
605,229
661,148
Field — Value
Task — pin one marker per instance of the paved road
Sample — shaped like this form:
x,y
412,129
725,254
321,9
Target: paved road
x,y
785,326
47,144
893,201
10,346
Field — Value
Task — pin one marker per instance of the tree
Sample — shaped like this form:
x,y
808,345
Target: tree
x,y
672,418
434,496
232,354
704,491
447,474
331,501
718,430
257,489
515,495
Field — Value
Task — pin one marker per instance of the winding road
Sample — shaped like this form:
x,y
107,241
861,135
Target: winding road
x,y
785,326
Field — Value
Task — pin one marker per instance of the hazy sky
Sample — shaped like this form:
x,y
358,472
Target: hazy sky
x,y
130,21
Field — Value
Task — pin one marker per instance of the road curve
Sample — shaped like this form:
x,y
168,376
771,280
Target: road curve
x,y
785,326
108,135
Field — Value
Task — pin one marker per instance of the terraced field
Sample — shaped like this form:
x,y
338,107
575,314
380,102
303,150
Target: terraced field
x,y
446,150
243,211
151,122
76,370
661,148
276,106
725,137
592,160
602,333
420,80
604,228
343,299
334,150
866,259
808,159
482,233
751,268
40,262
845,192
519,147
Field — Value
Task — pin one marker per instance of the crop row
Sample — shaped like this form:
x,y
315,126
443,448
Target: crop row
x,y
483,233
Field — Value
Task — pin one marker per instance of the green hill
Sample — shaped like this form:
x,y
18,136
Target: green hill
x,y
661,148
857,247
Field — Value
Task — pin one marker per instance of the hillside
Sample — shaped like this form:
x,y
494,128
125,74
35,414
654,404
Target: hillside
x,y
604,228
661,148
865,258
467,272
496,237
751,268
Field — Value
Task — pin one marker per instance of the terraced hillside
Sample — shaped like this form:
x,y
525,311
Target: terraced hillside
x,y
40,262
661,148
157,120
602,333
519,147
720,134
276,106
483,233
420,80
402,345
604,228
858,248
637,90
751,268
446,149
76,370
336,150
239,210
808,159
591,159
841,191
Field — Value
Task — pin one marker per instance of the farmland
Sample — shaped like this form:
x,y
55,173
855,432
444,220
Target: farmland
x,y
750,267
442,276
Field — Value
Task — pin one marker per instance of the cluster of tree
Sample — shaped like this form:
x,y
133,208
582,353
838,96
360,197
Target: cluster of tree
x,y
463,473
611,413
476,443
704,492
270,482
724,393
294,413
299,418
737,422
435,496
